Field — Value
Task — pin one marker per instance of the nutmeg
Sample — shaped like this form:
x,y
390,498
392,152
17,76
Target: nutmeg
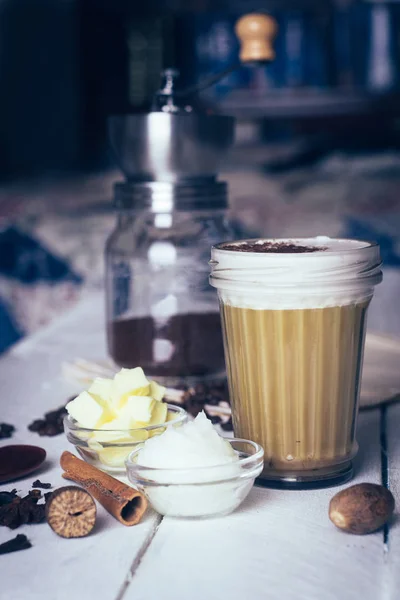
x,y
71,512
361,508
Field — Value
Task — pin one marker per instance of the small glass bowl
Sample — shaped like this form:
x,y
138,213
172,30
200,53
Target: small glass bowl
x,y
108,449
200,492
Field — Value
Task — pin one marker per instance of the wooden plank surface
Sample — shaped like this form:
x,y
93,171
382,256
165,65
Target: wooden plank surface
x,y
277,545
30,384
280,544
391,431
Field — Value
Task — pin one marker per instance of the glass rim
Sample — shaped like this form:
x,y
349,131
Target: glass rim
x,y
355,266
256,458
181,415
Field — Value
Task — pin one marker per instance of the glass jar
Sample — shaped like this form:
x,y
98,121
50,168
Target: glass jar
x,y
162,314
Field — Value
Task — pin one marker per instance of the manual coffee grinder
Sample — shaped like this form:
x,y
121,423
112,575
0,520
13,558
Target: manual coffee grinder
x,y
162,314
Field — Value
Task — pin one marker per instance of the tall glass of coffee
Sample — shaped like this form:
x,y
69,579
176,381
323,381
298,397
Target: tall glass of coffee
x,y
293,315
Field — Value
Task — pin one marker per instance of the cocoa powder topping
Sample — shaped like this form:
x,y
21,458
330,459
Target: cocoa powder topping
x,y
272,247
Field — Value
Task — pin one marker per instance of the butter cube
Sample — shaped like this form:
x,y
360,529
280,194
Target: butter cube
x,y
157,391
102,388
138,410
87,411
114,431
129,382
159,414
115,457
170,417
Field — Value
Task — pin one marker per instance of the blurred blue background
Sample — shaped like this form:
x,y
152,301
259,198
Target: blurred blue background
x,y
317,136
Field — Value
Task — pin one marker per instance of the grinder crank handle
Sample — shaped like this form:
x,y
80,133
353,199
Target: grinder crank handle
x,y
256,33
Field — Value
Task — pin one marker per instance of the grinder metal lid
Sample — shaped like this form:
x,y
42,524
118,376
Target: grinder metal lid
x,y
171,143
161,146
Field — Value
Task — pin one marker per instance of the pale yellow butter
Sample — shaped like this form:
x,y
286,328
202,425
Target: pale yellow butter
x,y
113,431
159,414
129,382
157,391
138,409
87,412
102,388
118,408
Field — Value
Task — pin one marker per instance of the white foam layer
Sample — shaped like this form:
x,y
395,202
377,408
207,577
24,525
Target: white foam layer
x,y
340,272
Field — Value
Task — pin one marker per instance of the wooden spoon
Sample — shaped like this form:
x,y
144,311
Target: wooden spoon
x,y
18,460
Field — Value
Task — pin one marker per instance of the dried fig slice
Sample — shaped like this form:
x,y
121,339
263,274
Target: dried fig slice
x,y
71,512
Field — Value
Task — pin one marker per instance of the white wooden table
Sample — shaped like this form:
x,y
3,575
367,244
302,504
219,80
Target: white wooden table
x,y
278,545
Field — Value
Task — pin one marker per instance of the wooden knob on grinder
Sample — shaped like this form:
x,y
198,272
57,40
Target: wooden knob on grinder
x,y
256,33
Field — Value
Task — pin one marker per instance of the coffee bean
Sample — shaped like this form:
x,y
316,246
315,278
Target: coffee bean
x,y
196,397
215,419
227,426
37,425
51,425
6,430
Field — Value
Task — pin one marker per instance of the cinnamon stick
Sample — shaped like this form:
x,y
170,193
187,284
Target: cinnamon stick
x,y
123,502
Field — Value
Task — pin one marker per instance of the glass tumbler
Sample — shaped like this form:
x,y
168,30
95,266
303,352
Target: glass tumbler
x,y
294,318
